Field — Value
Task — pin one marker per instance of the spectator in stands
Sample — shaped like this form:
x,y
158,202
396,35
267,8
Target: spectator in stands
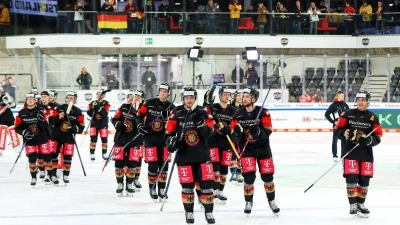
x,y
148,82
241,75
79,22
322,8
132,11
149,17
4,20
380,20
304,97
111,80
349,11
336,109
262,17
84,79
296,20
103,81
366,12
313,11
234,9
89,16
210,9
107,7
317,97
336,20
8,87
395,8
252,76
68,19
254,16
162,14
281,19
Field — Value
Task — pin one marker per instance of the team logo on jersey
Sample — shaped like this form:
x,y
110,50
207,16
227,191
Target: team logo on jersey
x,y
157,125
64,126
35,131
365,41
116,40
88,96
129,126
277,95
97,116
284,41
372,118
192,138
219,126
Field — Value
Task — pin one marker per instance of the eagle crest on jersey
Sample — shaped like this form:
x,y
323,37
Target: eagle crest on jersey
x,y
157,125
129,126
64,126
192,138
35,131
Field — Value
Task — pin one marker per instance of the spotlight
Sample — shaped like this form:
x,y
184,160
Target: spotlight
x,y
251,54
195,53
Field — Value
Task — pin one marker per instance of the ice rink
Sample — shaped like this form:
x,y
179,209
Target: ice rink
x,y
300,158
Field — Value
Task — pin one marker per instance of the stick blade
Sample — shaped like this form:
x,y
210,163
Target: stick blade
x,y
309,188
70,104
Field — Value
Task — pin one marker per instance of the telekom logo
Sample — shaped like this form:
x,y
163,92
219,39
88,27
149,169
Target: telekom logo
x,y
352,163
136,151
228,156
368,165
249,161
209,168
212,153
184,172
70,147
150,152
44,146
267,163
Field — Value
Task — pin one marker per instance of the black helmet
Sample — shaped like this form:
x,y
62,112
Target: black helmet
x,y
164,86
252,91
362,94
187,91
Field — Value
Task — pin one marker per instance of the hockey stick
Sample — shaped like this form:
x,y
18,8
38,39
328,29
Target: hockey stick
x,y
255,121
217,119
23,146
173,163
116,139
351,150
73,136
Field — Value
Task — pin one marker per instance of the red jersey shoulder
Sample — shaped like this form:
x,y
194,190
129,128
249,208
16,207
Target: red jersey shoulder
x,y
267,112
209,116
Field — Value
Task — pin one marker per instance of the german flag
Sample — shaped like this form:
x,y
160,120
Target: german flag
x,y
113,21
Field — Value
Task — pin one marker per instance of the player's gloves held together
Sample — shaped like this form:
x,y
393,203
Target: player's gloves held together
x,y
119,126
254,132
173,143
225,130
198,119
27,134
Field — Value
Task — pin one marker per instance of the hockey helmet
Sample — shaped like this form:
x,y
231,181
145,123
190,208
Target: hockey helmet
x,y
252,91
71,93
34,90
164,86
29,95
140,93
362,94
54,93
188,91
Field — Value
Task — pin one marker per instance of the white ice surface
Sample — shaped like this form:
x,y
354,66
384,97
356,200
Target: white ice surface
x,y
300,158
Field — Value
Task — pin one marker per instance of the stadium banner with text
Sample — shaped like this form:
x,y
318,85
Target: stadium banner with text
x,y
34,7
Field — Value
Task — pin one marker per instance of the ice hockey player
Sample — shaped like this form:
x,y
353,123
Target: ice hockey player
x,y
98,111
237,178
237,99
124,122
53,97
6,121
220,148
187,132
247,127
31,123
156,112
353,128
64,131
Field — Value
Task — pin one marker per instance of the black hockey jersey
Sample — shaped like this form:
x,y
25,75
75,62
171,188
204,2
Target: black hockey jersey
x,y
225,115
60,130
99,113
127,114
26,120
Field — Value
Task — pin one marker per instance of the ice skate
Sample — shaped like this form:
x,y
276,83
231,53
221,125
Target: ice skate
x,y
189,217
92,157
120,188
47,181
239,179
210,218
137,184
66,180
153,195
362,211
353,209
129,190
42,175
161,194
33,182
222,198
105,156
274,207
247,208
54,180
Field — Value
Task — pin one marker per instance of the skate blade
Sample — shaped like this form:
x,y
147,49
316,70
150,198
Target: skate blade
x,y
220,202
137,189
129,194
120,194
247,215
276,214
161,199
239,183
360,215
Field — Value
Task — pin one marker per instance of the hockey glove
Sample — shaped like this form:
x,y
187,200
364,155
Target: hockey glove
x,y
165,114
198,119
237,134
224,129
142,129
27,134
119,126
173,144
254,132
74,129
40,116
